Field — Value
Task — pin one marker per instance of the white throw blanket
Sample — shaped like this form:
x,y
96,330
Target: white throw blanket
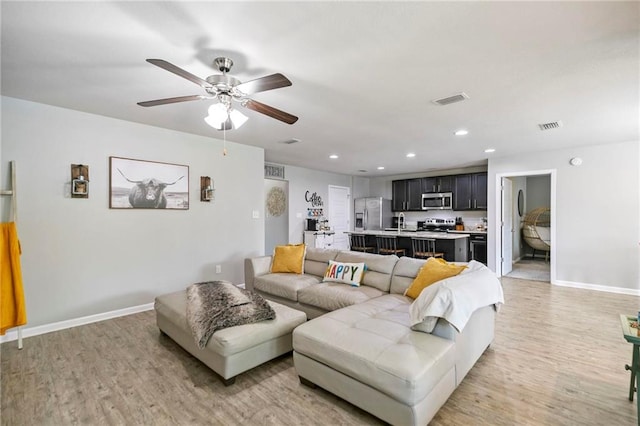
x,y
456,299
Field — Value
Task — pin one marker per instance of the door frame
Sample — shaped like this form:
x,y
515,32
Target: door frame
x,y
348,204
504,207
497,226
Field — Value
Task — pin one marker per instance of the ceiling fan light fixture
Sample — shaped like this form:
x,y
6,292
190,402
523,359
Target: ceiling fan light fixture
x,y
237,118
220,118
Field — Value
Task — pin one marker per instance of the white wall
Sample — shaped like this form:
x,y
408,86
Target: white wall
x,y
538,192
82,258
300,181
360,187
596,240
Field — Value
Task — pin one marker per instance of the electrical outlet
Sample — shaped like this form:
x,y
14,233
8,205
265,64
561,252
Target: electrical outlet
x,y
256,214
218,269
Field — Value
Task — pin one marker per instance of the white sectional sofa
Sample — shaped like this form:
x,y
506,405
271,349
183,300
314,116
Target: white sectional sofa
x,y
360,344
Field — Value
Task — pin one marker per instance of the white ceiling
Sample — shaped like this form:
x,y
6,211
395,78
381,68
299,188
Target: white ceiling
x,y
363,74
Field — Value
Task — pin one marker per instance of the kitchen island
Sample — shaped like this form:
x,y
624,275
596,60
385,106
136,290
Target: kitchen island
x,y
455,246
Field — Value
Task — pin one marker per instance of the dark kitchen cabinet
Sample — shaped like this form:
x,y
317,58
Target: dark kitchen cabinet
x,y
406,195
399,195
470,192
437,184
479,190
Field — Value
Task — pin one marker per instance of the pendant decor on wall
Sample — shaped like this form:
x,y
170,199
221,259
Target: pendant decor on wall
x,y
79,181
276,201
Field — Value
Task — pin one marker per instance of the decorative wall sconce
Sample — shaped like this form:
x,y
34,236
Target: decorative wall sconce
x,y
206,188
79,181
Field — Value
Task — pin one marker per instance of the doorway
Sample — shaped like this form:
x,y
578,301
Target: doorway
x,y
276,216
516,195
339,211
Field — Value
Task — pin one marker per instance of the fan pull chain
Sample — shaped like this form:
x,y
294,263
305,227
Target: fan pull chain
x,y
224,137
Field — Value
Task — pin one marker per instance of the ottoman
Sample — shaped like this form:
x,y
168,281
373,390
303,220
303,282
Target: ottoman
x,y
232,350
368,355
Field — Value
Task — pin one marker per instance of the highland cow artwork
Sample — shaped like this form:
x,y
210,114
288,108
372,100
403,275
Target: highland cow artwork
x,y
140,184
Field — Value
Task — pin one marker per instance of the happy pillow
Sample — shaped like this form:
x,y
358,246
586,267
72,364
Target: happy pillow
x,y
288,259
432,271
347,273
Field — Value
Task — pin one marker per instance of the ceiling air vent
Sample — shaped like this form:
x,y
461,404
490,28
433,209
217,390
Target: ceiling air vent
x,y
291,141
551,125
451,99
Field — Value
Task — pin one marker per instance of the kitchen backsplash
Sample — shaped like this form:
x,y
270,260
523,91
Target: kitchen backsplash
x,y
471,219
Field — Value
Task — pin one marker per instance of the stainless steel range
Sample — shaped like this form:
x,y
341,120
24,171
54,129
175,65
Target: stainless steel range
x,y
437,225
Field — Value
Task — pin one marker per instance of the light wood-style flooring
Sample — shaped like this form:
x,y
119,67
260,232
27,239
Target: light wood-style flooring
x,y
558,359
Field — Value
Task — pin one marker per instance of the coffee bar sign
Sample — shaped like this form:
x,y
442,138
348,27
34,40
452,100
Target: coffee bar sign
x,y
316,204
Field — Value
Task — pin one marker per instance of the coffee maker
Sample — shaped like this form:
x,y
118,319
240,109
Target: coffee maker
x,y
312,225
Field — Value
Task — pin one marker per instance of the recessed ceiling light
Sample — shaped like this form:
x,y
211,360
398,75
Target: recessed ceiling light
x,y
489,150
381,168
461,132
333,156
410,155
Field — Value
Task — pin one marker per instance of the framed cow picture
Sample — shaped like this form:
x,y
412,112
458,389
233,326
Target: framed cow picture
x,y
141,184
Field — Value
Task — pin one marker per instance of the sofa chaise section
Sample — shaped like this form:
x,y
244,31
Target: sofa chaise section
x,y
368,354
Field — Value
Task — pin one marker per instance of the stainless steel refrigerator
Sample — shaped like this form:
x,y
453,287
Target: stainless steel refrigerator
x,y
372,214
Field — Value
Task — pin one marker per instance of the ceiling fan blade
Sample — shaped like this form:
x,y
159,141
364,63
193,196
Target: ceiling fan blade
x,y
270,111
173,100
179,71
270,82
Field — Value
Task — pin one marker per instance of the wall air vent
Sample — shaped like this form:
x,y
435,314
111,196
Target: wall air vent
x,y
273,171
451,99
551,125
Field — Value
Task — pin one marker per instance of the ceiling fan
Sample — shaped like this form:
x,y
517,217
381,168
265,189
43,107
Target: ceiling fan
x,y
226,89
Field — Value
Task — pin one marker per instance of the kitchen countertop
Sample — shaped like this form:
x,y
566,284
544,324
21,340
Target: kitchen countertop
x,y
469,232
409,234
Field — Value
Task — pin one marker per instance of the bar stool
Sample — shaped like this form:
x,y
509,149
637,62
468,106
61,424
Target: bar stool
x,y
388,244
358,243
424,248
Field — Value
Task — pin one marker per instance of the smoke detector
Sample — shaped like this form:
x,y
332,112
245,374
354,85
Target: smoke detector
x,y
551,125
459,97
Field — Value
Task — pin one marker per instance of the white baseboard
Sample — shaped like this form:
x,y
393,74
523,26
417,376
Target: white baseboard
x,y
61,325
598,287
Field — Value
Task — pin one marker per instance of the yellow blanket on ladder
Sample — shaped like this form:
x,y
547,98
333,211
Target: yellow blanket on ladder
x,y
12,309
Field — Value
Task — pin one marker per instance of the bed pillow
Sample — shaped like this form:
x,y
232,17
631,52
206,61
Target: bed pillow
x,y
289,259
348,273
434,270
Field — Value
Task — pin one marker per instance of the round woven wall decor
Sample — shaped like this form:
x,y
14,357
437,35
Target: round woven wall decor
x,y
276,201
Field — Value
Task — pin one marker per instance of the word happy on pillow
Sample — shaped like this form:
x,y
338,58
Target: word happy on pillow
x,y
348,273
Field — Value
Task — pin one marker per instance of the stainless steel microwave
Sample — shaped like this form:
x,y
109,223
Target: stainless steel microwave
x,y
437,201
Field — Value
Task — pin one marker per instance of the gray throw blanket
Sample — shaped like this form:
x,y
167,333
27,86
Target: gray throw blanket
x,y
214,305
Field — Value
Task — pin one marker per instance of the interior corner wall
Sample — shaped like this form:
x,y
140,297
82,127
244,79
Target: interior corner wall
x,y
302,184
79,257
360,187
586,251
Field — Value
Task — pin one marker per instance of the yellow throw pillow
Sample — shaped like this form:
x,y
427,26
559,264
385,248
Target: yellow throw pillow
x,y
289,259
433,270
